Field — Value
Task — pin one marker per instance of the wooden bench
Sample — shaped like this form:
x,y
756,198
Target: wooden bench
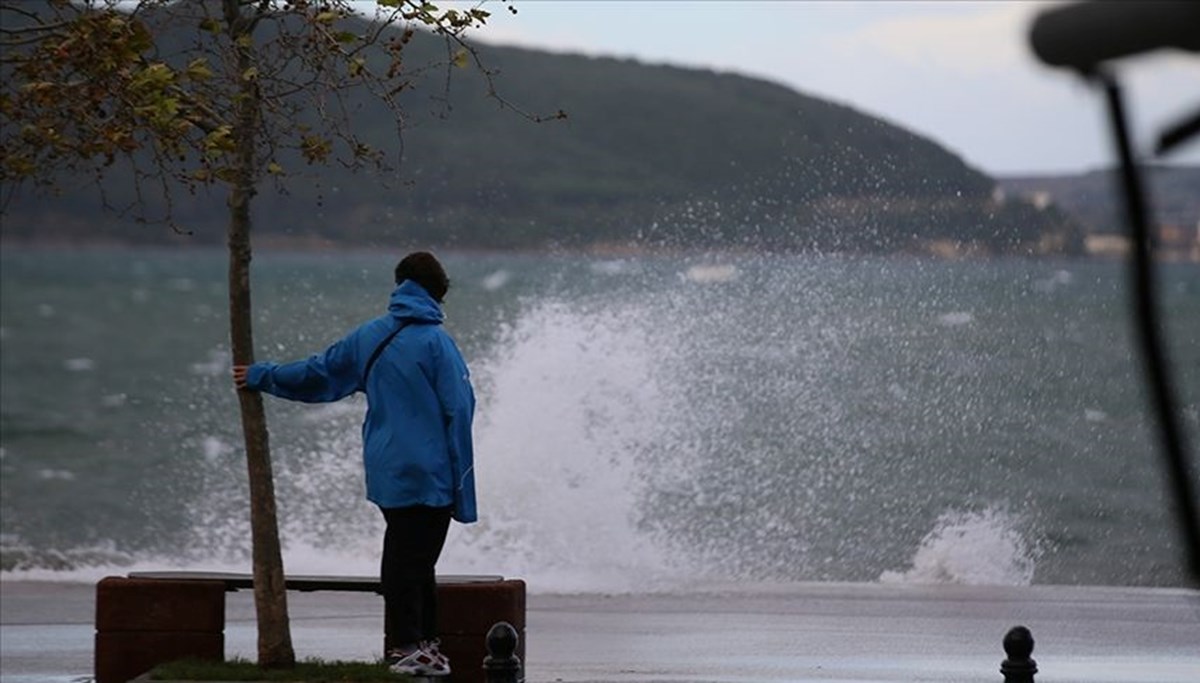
x,y
149,618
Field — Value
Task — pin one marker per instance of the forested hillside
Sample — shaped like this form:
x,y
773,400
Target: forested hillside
x,y
647,156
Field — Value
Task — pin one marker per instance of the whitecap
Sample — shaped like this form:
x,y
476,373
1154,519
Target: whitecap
x,y
984,548
1094,415
51,474
87,564
79,364
609,267
114,400
496,280
214,449
1060,278
711,273
956,318
218,362
45,310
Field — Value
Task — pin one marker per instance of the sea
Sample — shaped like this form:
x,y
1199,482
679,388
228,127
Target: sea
x,y
644,423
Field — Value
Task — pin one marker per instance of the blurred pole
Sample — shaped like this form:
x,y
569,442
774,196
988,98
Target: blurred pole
x,y
1146,322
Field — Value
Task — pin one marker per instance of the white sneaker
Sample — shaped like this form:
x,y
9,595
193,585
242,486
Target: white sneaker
x,y
431,646
419,662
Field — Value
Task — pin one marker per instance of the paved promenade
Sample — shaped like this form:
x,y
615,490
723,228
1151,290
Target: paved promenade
x,y
863,633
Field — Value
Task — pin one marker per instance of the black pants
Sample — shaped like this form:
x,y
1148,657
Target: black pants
x,y
411,546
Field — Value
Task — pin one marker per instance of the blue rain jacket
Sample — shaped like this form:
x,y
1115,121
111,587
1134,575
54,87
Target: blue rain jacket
x,y
417,447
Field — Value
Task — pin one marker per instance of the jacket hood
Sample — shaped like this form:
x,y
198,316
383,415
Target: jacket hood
x,y
411,302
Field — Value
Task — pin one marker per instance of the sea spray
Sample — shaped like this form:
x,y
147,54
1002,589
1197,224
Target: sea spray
x,y
567,399
571,398
974,548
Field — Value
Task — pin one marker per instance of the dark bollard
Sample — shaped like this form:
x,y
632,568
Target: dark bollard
x,y
502,665
1019,667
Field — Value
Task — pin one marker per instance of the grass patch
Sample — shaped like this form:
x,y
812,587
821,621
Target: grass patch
x,y
307,671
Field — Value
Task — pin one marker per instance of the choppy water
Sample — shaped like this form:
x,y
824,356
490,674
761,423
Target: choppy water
x,y
644,423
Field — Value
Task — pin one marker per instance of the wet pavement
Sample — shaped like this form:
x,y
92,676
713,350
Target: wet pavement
x,y
794,633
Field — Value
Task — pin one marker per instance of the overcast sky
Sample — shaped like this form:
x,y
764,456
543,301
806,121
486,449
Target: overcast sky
x,y
959,72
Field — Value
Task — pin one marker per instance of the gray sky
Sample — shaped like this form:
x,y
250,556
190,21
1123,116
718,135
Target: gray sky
x,y
959,72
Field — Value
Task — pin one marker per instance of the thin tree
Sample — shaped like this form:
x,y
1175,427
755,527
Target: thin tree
x,y
209,96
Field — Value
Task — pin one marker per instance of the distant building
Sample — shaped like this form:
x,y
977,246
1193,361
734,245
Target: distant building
x,y
1106,244
1178,243
1172,242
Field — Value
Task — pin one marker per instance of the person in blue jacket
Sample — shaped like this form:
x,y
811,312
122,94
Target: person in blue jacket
x,y
417,447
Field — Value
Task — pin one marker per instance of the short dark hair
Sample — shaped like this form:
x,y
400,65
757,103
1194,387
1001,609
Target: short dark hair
x,y
424,269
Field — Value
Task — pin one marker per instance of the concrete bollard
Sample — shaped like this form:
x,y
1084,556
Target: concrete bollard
x,y
502,665
1019,666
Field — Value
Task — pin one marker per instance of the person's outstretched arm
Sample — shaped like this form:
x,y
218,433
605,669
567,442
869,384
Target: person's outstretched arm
x,y
321,378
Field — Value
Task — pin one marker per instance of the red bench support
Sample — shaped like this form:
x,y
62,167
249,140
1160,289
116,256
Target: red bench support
x,y
141,623
466,612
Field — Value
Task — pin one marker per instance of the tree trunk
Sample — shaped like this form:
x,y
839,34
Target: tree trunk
x,y
270,593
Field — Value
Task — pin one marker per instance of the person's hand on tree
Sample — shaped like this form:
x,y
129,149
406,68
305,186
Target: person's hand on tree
x,y
239,376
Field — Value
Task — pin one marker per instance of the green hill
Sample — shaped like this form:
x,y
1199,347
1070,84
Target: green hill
x,y
648,156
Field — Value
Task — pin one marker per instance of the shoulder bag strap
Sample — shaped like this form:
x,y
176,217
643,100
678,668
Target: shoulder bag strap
x,y
378,350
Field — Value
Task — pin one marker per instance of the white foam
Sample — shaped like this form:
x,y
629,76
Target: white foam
x,y
114,400
214,449
79,364
49,474
613,267
217,363
1060,278
708,274
567,399
956,318
496,280
971,548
